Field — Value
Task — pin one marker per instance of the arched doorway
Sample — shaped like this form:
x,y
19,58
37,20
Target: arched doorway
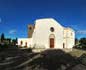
x,y
52,40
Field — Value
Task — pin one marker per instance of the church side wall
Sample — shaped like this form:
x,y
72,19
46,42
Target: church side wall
x,y
70,39
24,41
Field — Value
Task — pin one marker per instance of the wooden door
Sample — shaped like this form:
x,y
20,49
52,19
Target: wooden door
x,y
51,42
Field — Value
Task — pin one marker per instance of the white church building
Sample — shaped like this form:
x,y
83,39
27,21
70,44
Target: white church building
x,y
47,33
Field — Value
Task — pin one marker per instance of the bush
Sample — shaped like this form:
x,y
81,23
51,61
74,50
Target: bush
x,y
82,59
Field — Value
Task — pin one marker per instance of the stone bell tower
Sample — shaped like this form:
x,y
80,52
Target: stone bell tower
x,y
30,30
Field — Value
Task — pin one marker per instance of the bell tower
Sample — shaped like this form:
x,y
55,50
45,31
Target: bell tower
x,y
30,30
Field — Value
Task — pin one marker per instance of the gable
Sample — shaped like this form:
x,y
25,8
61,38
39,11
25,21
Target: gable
x,y
47,21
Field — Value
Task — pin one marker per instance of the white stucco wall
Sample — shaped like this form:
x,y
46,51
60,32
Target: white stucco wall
x,y
42,32
24,40
69,37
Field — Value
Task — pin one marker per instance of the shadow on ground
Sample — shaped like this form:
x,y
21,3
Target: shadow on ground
x,y
48,60
54,60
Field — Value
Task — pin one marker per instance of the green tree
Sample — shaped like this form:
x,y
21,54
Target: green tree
x,y
82,41
2,37
76,41
14,41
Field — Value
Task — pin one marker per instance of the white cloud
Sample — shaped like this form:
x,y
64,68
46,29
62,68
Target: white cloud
x,y
13,31
81,32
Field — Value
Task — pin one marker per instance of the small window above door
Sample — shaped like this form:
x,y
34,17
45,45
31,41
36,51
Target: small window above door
x,y
52,29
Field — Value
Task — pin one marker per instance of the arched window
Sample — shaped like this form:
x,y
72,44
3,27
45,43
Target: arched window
x,y
30,28
63,45
26,44
21,42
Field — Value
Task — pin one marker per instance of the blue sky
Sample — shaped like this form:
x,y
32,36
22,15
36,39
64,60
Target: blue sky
x,y
15,15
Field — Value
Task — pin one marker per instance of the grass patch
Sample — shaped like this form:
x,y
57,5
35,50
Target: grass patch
x,y
77,52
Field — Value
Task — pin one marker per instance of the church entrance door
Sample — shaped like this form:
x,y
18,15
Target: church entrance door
x,y
51,40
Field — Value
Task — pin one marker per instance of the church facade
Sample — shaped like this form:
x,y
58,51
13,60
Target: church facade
x,y
48,34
